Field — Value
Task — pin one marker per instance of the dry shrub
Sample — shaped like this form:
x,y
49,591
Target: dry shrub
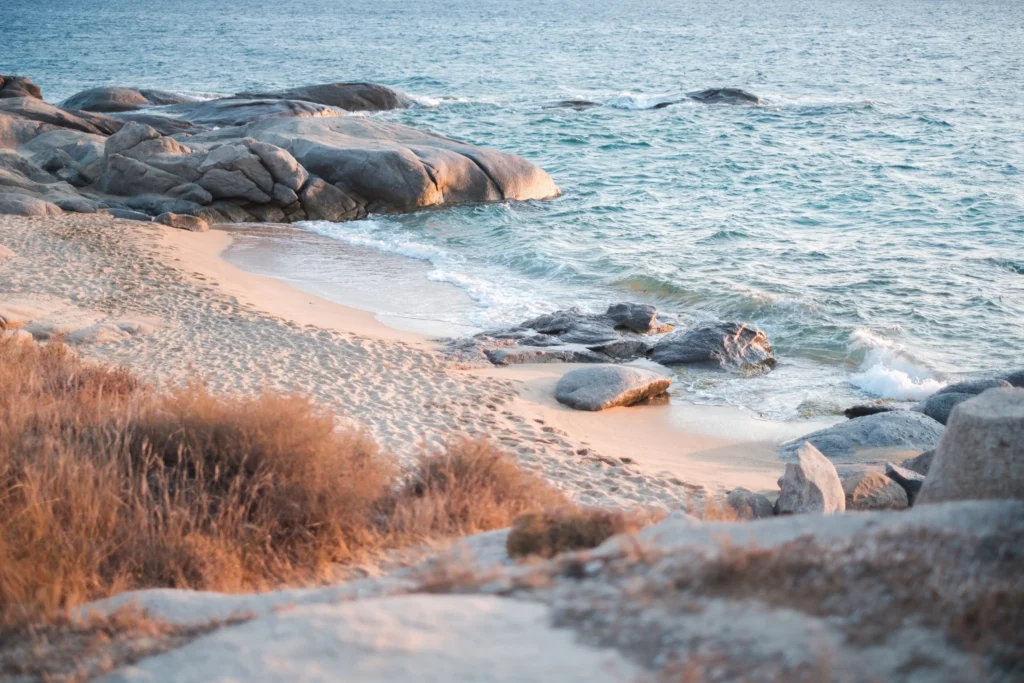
x,y
107,486
468,488
566,529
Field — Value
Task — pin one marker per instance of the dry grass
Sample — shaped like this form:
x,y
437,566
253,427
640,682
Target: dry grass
x,y
107,485
566,529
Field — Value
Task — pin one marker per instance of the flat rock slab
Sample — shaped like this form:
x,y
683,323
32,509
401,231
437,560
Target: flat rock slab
x,y
897,430
608,386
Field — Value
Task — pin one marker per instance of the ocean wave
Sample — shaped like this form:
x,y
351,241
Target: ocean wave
x,y
888,370
631,100
364,236
431,102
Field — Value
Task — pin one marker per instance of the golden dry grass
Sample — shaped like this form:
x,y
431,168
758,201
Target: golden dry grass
x,y
550,532
107,485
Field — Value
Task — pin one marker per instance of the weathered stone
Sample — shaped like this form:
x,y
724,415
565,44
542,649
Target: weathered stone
x,y
116,99
973,387
231,185
239,112
910,481
24,205
324,202
129,215
281,164
725,96
230,212
866,409
347,96
284,195
556,322
518,355
897,430
156,204
77,205
919,463
183,166
31,109
749,505
939,405
267,213
126,177
164,124
608,386
19,86
723,343
640,318
873,490
982,453
622,349
130,135
147,149
183,222
811,484
192,193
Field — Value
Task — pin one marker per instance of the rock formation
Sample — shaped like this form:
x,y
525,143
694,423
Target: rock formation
x,y
608,386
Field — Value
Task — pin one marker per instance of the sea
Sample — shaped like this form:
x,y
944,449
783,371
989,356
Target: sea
x,y
868,216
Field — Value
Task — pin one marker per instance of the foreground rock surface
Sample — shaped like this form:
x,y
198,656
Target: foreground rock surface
x,y
873,490
896,430
609,386
811,484
271,159
982,452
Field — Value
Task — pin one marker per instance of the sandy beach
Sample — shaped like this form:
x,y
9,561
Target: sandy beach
x,y
163,303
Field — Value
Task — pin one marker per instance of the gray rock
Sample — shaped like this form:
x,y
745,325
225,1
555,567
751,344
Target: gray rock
x,y
347,96
281,164
1016,379
31,109
114,99
24,205
126,177
749,505
910,481
982,453
866,409
19,86
556,322
897,430
608,386
192,193
162,147
723,343
183,222
129,215
919,463
973,387
811,484
637,317
77,205
284,195
518,355
157,204
622,349
229,212
725,96
183,166
873,490
939,405
239,112
267,213
130,135
324,202
231,185
239,158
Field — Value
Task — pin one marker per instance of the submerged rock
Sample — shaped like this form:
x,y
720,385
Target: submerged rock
x,y
609,386
723,343
725,96
982,452
114,99
811,484
897,430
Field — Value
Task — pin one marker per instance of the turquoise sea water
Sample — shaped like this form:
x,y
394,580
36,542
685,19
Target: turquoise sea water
x,y
869,217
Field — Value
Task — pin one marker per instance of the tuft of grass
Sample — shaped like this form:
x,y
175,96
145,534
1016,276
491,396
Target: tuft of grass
x,y
554,531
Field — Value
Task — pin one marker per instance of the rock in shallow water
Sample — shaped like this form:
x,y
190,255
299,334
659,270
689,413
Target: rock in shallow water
x,y
897,430
811,484
347,96
982,453
722,343
938,406
609,386
107,99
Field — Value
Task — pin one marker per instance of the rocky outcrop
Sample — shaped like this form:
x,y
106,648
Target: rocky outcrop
x,y
609,386
19,86
183,222
873,490
106,99
811,484
20,205
749,505
939,405
347,96
910,481
272,159
720,343
982,453
899,430
972,387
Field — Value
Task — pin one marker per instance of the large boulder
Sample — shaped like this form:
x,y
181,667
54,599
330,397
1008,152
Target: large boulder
x,y
31,109
972,387
899,430
725,96
115,99
183,222
724,343
608,386
239,112
126,177
325,202
640,318
920,463
749,505
24,205
19,86
347,96
282,165
130,135
1015,379
873,490
165,124
909,480
939,405
811,484
982,452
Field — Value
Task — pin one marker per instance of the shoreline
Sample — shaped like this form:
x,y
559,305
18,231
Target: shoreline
x,y
242,332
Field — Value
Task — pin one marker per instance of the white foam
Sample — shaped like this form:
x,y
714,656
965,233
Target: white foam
x,y
430,102
631,100
889,370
